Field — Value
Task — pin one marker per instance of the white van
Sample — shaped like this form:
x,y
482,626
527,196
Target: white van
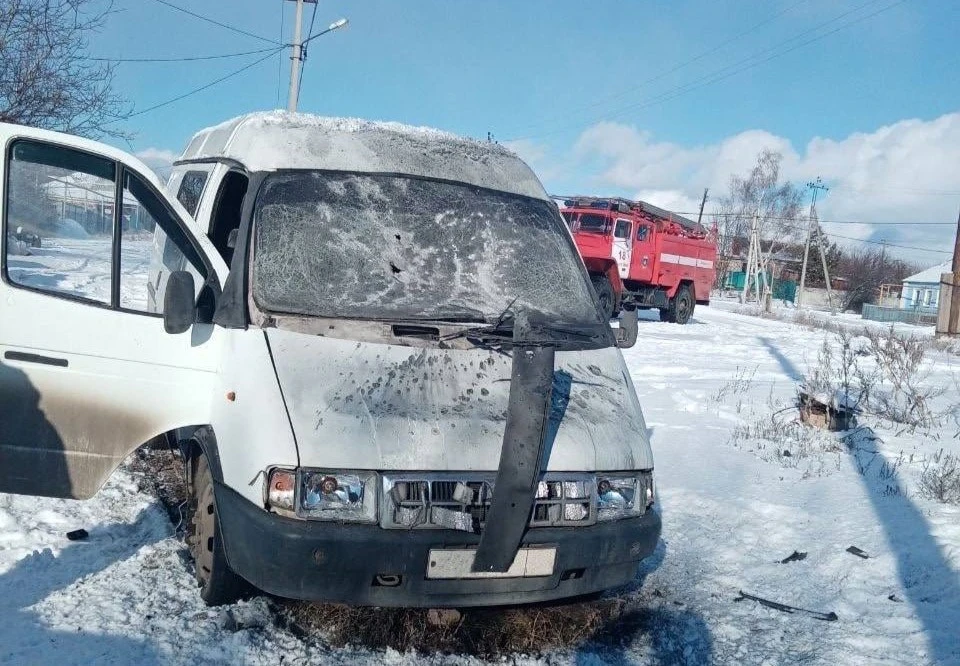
x,y
376,347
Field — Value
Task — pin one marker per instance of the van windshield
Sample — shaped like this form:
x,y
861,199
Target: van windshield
x,y
392,247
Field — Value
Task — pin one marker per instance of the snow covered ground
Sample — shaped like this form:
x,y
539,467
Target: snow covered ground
x,y
82,267
733,505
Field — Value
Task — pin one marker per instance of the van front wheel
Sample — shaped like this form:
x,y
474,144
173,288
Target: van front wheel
x,y
218,584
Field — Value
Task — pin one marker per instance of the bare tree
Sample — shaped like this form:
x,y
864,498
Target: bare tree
x,y
866,269
46,77
761,193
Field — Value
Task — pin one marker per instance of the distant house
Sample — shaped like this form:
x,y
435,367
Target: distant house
x,y
923,289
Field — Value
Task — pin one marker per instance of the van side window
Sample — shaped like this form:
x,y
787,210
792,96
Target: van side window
x,y
191,188
642,232
227,210
622,230
59,221
149,224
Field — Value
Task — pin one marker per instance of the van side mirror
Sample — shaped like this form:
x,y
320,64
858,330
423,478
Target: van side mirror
x,y
627,333
179,303
232,238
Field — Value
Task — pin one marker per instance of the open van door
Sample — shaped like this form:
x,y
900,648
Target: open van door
x,y
87,371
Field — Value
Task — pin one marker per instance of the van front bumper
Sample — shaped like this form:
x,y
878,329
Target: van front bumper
x,y
337,562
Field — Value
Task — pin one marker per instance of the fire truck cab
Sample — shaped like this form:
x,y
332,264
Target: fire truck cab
x,y
641,256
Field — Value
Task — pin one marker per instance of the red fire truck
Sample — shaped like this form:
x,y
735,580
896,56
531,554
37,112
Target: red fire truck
x,y
642,256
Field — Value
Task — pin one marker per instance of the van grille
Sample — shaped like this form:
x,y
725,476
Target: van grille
x,y
461,502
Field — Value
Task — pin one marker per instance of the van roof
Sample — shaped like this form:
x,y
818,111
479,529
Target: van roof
x,y
274,140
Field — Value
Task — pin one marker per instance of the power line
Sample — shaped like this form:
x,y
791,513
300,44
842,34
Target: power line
x,y
681,65
217,23
798,219
793,218
185,58
204,87
730,70
906,190
313,17
888,244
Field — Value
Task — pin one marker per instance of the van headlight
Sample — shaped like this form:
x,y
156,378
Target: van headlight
x,y
334,495
624,495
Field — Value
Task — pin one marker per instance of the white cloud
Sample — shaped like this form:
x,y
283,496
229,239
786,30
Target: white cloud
x,y
536,156
903,172
158,159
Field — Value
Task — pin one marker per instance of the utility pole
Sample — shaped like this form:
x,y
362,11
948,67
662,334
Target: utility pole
x,y
952,307
955,293
297,58
300,48
826,271
816,187
750,270
703,202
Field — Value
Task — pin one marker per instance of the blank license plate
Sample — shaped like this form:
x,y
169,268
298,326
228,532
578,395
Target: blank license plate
x,y
529,563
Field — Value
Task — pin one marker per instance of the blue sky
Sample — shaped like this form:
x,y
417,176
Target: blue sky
x,y
602,96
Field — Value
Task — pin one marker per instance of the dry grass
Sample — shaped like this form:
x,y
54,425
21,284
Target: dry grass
x,y
740,384
790,444
940,478
487,633
159,471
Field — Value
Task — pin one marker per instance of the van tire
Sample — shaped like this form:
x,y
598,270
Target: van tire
x,y
218,584
604,290
681,307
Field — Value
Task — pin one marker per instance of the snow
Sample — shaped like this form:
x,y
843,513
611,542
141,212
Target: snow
x,y
273,140
930,275
81,267
732,507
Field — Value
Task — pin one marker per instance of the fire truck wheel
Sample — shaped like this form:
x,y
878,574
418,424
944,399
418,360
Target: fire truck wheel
x,y
681,307
601,285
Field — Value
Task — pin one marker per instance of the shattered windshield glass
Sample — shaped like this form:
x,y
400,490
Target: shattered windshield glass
x,y
393,247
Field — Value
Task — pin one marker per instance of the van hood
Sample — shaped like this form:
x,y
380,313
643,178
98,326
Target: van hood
x,y
359,405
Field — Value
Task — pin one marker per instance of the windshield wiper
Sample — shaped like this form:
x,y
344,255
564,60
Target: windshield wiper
x,y
534,333
501,329
499,332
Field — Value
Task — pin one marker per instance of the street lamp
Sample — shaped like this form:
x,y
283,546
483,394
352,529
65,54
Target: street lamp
x,y
300,54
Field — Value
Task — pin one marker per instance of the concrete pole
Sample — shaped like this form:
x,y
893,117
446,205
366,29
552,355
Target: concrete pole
x,y
806,255
295,60
748,269
953,323
816,187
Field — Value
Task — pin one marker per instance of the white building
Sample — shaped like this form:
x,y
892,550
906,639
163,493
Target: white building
x,y
923,289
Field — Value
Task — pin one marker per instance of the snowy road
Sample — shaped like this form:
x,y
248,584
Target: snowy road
x,y
732,508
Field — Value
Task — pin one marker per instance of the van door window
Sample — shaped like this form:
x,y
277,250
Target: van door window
x,y
227,211
191,188
643,231
59,221
149,229
622,230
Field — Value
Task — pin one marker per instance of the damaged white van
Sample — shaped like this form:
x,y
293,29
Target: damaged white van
x,y
376,347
